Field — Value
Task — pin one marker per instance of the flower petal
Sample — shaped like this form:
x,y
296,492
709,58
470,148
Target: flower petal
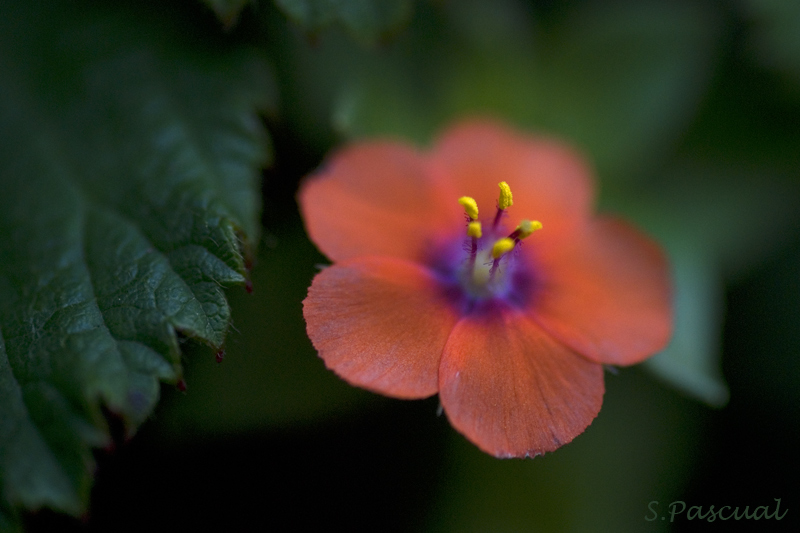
x,y
512,389
549,182
607,296
380,324
373,199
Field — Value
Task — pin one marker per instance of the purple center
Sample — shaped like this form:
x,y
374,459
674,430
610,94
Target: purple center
x,y
474,286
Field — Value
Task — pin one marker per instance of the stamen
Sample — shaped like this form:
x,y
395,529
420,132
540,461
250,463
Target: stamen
x,y
481,273
505,201
474,230
525,228
470,206
500,248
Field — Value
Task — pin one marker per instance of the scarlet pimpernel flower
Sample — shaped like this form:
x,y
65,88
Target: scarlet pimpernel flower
x,y
477,271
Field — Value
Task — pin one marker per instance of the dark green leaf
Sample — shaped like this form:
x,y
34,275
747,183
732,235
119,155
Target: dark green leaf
x,y
128,156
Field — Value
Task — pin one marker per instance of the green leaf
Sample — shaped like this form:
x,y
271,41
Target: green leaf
x,y
693,361
128,156
367,20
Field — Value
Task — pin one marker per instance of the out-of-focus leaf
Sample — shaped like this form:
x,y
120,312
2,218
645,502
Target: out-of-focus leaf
x,y
7,523
715,224
635,452
129,178
776,33
692,361
367,20
621,81
227,10
746,123
271,375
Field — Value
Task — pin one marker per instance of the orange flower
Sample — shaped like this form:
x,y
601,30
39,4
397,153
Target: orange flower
x,y
434,290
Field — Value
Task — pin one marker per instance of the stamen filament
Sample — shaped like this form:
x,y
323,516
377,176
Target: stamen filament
x,y
495,264
473,254
497,218
475,233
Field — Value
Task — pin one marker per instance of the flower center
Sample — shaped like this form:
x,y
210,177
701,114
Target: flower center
x,y
490,264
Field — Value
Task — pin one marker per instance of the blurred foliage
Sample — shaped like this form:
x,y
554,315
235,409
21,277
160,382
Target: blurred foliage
x,y
367,20
489,58
227,10
689,111
775,39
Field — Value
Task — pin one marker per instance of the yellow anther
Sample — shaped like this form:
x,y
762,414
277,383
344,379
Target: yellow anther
x,y
470,206
506,200
474,230
502,247
526,227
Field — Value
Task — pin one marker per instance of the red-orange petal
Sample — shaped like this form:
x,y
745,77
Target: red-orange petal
x,y
607,296
373,199
512,389
549,182
381,324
